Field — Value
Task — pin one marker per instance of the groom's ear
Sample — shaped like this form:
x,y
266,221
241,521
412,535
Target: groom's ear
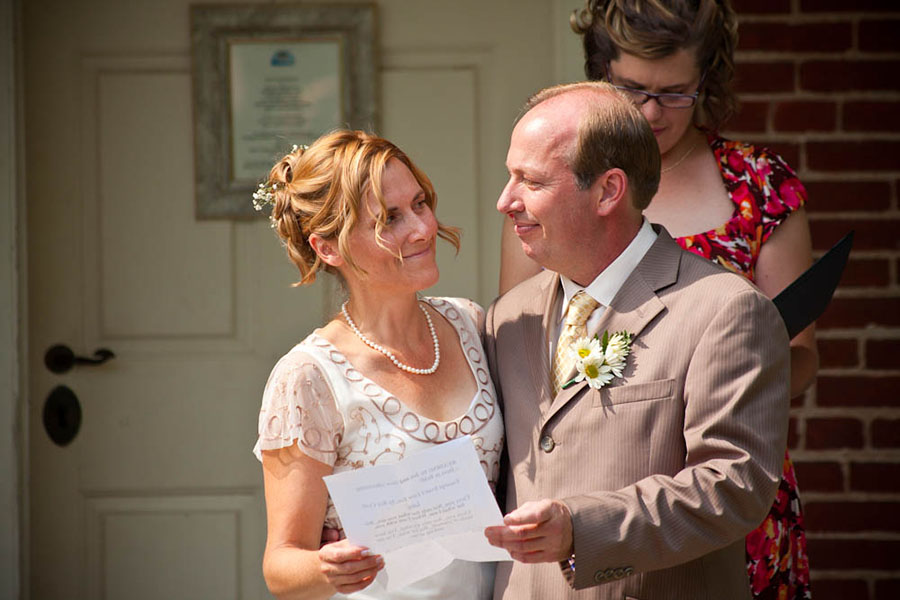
x,y
609,190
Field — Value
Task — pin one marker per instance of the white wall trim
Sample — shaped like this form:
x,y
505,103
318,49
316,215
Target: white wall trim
x,y
568,64
12,433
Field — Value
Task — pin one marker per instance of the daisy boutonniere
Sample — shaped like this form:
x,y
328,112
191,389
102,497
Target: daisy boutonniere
x,y
600,359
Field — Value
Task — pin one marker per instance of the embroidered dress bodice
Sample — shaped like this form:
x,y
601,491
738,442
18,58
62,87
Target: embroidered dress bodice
x,y
340,417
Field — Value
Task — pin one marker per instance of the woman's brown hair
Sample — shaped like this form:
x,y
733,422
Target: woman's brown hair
x,y
657,28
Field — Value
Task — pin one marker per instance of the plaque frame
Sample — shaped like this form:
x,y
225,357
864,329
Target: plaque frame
x,y
214,28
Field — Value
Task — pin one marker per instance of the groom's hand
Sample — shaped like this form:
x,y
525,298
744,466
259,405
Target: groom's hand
x,y
535,532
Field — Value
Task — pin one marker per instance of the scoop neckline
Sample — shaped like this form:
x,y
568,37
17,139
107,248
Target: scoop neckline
x,y
386,394
712,141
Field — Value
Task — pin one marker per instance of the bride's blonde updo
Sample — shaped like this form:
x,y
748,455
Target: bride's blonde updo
x,y
320,189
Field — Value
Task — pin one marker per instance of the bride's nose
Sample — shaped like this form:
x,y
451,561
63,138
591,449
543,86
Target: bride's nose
x,y
424,226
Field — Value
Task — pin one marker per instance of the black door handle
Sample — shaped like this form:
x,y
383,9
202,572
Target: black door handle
x,y
60,358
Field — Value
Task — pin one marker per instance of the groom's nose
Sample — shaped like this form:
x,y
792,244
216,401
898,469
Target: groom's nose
x,y
508,202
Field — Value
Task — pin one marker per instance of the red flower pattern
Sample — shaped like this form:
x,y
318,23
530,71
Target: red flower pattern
x,y
765,191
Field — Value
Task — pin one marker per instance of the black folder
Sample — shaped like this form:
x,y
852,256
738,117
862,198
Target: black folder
x,y
804,300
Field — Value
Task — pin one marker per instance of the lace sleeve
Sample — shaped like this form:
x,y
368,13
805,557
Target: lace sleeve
x,y
298,404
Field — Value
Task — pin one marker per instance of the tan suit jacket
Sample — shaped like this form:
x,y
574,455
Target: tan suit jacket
x,y
666,469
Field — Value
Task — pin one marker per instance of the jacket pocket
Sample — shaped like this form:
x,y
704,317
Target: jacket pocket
x,y
636,392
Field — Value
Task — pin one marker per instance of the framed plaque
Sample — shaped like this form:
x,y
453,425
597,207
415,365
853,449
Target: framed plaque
x,y
266,77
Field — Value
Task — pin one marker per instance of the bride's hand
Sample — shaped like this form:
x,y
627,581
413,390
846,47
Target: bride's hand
x,y
349,568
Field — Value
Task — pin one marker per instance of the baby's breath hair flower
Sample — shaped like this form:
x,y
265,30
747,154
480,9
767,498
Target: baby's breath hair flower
x,y
264,194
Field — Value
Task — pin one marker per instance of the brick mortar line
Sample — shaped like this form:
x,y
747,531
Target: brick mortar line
x,y
862,335
801,56
844,456
892,331
853,176
818,95
865,534
847,497
886,255
807,170
831,215
866,373
802,137
836,136
864,414
830,574
803,18
875,293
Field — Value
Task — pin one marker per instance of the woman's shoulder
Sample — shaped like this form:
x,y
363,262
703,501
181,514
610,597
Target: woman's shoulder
x,y
299,397
310,356
756,157
450,307
304,357
761,173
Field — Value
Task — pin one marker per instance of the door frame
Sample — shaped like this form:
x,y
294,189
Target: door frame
x,y
13,311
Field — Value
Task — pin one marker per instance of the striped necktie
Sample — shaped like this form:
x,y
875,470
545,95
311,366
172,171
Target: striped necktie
x,y
577,314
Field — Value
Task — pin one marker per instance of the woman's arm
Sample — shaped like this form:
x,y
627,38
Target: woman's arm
x,y
515,267
784,257
293,565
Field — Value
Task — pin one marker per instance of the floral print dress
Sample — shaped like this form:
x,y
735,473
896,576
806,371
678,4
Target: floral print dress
x,y
765,191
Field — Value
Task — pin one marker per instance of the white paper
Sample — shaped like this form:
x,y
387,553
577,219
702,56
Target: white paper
x,y
420,513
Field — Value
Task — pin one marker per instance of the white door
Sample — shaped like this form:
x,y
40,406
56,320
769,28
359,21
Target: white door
x,y
158,496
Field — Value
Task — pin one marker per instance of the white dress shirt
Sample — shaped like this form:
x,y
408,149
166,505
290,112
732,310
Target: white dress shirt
x,y
607,284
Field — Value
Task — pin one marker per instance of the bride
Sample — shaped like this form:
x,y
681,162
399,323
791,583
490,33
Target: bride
x,y
389,376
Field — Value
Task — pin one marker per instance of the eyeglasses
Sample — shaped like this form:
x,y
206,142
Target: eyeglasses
x,y
667,100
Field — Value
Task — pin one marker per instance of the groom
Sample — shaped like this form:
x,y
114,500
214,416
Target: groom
x,y
642,486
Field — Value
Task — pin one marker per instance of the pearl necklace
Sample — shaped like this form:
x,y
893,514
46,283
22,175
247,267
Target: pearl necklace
x,y
680,160
388,353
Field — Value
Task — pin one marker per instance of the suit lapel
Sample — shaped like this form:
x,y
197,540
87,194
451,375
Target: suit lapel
x,y
536,341
634,306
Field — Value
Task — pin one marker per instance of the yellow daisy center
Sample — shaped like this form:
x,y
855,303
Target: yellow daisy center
x,y
591,371
584,352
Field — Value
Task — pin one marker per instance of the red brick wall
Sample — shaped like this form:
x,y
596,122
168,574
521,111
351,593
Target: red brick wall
x,y
820,83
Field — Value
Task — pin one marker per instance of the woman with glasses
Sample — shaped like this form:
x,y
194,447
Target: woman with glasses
x,y
731,202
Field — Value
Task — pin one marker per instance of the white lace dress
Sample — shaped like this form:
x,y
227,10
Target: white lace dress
x,y
342,418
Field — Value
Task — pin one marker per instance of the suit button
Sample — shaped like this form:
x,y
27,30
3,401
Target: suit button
x,y
629,571
547,443
620,573
599,577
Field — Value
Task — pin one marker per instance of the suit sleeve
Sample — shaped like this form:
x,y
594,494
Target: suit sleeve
x,y
489,339
736,400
